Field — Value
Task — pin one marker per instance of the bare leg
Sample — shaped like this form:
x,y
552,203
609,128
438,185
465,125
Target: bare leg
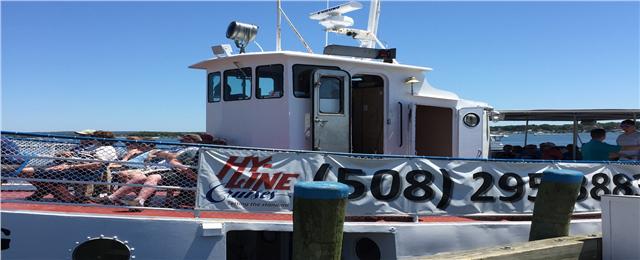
x,y
124,190
127,175
61,192
146,192
41,188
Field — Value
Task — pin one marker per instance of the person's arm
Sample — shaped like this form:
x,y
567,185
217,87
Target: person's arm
x,y
183,169
82,166
104,153
163,154
613,151
130,154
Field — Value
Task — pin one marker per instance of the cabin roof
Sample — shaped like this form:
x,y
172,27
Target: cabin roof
x,y
206,63
569,114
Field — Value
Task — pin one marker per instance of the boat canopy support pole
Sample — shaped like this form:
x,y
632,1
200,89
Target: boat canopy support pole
x,y
575,137
526,132
401,130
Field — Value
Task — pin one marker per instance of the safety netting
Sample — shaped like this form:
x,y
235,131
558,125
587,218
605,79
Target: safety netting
x,y
127,171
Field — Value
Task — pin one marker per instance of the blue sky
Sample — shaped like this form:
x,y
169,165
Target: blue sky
x,y
123,65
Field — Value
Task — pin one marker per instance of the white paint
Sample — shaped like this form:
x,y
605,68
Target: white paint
x,y
53,236
620,227
284,123
212,229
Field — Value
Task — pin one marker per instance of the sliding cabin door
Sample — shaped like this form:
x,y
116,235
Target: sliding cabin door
x,y
331,117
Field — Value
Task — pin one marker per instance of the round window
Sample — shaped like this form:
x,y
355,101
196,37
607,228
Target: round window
x,y
102,248
471,119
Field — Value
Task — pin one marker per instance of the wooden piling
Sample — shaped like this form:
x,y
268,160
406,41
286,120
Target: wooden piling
x,y
554,204
318,218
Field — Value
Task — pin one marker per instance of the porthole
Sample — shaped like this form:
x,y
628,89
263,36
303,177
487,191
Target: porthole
x,y
367,249
471,119
104,248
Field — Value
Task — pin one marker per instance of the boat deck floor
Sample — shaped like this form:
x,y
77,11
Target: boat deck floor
x,y
48,205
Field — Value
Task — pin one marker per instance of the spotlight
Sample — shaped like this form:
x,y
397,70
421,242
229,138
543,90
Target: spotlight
x,y
242,34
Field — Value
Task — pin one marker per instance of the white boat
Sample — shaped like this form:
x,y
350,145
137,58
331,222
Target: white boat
x,y
496,141
414,156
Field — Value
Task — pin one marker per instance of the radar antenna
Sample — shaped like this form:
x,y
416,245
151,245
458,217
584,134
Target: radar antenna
x,y
334,20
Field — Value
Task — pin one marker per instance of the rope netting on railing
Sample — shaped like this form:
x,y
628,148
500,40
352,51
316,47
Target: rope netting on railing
x,y
91,169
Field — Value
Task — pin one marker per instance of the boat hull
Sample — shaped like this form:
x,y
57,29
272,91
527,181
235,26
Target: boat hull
x,y
55,235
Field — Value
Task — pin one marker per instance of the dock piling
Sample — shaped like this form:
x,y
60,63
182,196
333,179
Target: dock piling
x,y
554,204
318,218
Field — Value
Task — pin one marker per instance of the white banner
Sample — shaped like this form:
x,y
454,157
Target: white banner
x,y
254,181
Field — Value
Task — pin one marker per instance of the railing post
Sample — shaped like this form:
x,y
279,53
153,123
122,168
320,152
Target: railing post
x,y
554,204
318,218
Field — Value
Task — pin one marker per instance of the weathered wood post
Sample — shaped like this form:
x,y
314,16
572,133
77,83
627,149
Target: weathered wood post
x,y
554,204
318,217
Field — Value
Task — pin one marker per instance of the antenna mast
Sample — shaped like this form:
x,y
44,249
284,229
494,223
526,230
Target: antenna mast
x,y
372,26
278,26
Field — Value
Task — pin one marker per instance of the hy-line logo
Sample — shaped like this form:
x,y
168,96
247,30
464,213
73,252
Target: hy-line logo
x,y
250,178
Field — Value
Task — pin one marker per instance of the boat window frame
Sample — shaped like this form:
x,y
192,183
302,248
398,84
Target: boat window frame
x,y
210,90
279,82
312,67
340,98
226,96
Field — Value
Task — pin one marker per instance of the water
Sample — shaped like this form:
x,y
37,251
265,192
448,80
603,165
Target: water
x,y
558,139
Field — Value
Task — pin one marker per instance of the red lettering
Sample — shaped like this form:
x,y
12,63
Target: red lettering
x,y
283,183
235,181
266,181
256,163
231,163
251,180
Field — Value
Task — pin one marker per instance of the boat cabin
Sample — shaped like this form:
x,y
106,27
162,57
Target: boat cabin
x,y
304,101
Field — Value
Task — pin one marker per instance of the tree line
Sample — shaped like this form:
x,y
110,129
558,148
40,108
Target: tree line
x,y
547,128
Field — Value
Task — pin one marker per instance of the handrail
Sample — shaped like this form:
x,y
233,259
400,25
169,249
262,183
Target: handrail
x,y
401,130
341,154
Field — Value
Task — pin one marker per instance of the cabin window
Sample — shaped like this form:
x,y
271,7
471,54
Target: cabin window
x,y
331,95
213,87
302,79
269,83
237,84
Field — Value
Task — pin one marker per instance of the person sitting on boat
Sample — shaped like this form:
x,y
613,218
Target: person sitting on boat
x,y
135,157
550,151
210,139
181,175
530,152
568,155
518,150
630,137
10,163
74,169
506,153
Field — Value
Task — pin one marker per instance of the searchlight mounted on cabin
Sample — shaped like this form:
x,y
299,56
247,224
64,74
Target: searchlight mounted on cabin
x,y
344,100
